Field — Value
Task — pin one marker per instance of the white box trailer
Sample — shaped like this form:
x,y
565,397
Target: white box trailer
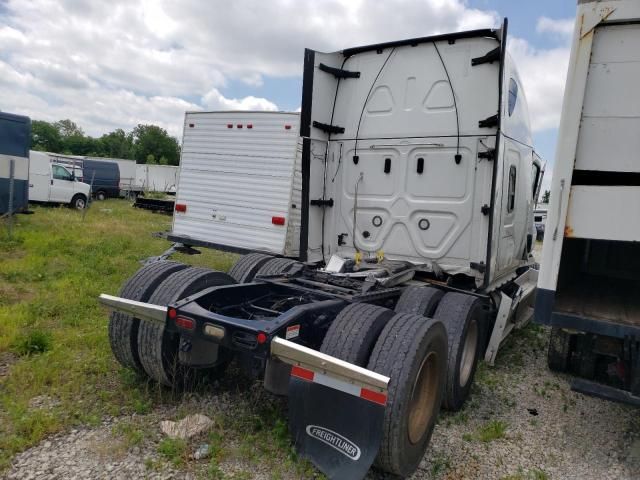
x,y
240,182
418,183
156,178
590,276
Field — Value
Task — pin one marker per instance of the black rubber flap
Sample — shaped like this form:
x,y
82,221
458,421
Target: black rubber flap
x,y
338,432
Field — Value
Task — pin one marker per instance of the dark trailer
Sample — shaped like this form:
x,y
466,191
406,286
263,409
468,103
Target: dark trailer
x,y
15,139
104,178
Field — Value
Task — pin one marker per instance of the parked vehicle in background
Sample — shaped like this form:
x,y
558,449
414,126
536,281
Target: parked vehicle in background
x,y
54,183
73,163
15,135
590,278
127,173
540,220
103,176
240,181
414,250
156,178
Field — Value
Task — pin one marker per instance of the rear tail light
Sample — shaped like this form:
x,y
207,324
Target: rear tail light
x,y
239,125
185,322
249,125
229,125
173,313
181,207
287,127
277,220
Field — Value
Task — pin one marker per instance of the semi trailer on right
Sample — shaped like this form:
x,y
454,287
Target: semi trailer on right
x,y
588,287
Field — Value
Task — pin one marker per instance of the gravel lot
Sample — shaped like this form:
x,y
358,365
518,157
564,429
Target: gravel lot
x,y
522,422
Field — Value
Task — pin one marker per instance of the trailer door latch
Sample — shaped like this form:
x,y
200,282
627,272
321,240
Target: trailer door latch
x,y
328,128
338,72
321,202
485,209
488,155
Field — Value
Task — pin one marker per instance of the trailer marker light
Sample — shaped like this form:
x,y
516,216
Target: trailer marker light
x,y
181,207
191,125
261,337
239,125
249,125
287,127
186,323
229,125
277,220
302,373
172,313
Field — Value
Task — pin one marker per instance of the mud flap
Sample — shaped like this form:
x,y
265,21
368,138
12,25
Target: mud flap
x,y
339,432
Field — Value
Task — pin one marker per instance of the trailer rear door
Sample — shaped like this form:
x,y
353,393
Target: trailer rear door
x,y
236,188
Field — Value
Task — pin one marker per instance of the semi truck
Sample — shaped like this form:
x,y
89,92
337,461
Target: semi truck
x,y
588,286
418,182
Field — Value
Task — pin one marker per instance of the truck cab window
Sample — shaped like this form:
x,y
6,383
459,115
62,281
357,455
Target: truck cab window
x,y
511,198
61,173
513,95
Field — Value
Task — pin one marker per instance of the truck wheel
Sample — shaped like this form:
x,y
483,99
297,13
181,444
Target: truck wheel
x,y
79,202
354,332
123,328
157,348
101,195
462,317
412,352
559,350
276,266
419,300
247,266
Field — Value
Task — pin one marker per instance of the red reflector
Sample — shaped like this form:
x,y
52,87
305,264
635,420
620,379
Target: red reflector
x,y
375,397
249,125
172,313
239,125
277,220
184,322
302,373
261,337
229,125
181,207
287,127
191,125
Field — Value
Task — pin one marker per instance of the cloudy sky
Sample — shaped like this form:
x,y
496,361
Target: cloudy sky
x,y
117,63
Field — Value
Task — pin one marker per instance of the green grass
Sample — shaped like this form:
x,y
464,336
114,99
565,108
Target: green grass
x,y
51,272
490,431
532,474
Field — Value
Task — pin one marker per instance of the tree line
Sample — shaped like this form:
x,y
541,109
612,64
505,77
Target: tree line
x,y
144,144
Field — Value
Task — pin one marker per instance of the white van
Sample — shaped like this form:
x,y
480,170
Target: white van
x,y
54,183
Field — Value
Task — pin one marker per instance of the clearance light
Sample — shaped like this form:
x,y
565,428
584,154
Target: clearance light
x,y
277,220
186,323
239,125
191,125
261,337
229,125
287,127
249,125
172,313
181,207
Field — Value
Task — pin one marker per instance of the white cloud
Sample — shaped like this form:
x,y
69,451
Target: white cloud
x,y
117,63
543,74
562,27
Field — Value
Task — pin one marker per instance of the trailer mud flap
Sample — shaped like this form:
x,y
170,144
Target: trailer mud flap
x,y
340,433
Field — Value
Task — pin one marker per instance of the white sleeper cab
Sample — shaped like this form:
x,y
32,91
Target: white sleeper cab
x,y
387,246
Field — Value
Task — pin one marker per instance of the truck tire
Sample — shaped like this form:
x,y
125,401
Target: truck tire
x,y
419,300
276,266
412,352
158,349
101,195
247,266
123,328
354,332
462,317
559,350
79,202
